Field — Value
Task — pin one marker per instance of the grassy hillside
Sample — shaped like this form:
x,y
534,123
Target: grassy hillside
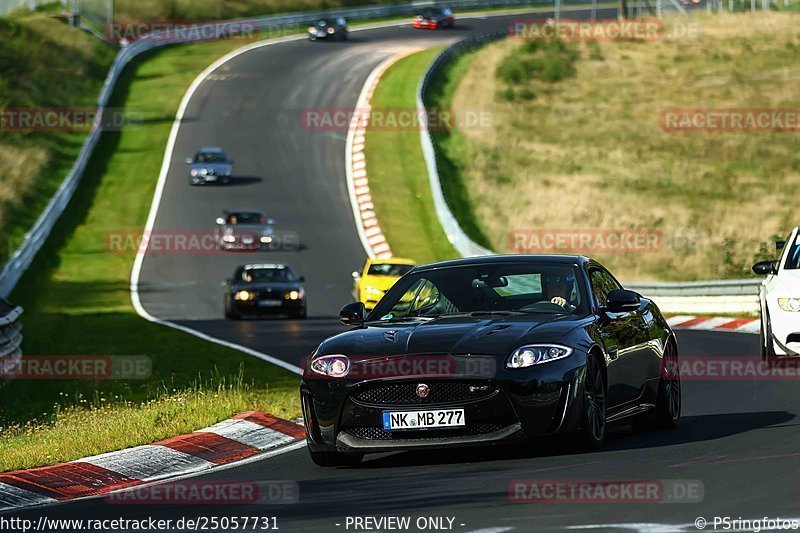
x,y
577,143
44,63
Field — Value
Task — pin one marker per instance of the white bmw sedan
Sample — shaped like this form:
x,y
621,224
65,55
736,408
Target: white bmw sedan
x,y
780,300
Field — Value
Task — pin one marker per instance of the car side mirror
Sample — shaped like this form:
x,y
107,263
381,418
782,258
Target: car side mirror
x,y
621,300
188,160
765,268
353,314
220,221
270,221
355,275
302,279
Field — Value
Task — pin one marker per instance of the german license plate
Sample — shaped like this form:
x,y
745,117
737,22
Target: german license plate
x,y
269,303
439,418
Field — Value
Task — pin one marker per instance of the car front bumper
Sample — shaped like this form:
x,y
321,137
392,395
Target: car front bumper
x,y
516,405
785,329
254,308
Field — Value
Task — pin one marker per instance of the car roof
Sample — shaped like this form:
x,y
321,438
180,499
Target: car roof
x,y
212,149
489,259
268,266
393,261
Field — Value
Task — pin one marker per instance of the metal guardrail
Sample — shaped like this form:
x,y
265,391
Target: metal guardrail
x,y
733,287
10,335
22,258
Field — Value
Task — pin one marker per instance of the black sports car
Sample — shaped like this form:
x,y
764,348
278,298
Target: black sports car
x,y
332,29
486,350
265,289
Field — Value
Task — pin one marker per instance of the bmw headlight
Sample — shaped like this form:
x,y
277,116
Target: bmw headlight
x,y
266,239
193,172
332,366
534,354
204,172
330,31
791,305
229,238
294,295
311,29
243,295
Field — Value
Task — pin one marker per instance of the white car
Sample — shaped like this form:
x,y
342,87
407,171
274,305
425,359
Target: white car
x,y
780,300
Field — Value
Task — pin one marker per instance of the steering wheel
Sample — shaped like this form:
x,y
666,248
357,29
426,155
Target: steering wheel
x,y
543,306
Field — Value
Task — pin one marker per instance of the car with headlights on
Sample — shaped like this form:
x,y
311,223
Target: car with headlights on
x,y
488,350
779,300
376,277
434,18
331,29
244,230
209,165
265,289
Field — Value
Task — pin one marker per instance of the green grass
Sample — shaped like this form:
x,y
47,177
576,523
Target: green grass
x,y
77,302
398,177
583,148
44,63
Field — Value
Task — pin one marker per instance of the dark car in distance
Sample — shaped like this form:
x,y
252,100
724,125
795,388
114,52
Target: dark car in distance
x,y
244,230
265,289
334,29
489,350
434,18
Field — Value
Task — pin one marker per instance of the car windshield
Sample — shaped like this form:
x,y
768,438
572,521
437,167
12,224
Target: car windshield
x,y
267,274
485,289
388,269
793,254
245,219
322,23
210,157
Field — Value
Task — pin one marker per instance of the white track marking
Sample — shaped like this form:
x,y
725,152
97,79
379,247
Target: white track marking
x,y
149,462
13,498
249,433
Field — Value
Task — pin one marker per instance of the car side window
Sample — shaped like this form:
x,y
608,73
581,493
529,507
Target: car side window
x,y
602,283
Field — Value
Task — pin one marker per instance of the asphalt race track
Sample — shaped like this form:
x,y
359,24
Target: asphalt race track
x,y
737,438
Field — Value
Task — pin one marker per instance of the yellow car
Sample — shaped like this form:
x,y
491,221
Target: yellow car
x,y
377,277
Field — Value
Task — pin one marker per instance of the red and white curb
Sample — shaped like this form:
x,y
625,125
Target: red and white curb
x,y
715,323
245,435
369,231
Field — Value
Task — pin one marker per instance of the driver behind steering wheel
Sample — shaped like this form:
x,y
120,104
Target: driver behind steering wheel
x,y
558,290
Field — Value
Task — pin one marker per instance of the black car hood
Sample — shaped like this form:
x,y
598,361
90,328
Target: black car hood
x,y
452,335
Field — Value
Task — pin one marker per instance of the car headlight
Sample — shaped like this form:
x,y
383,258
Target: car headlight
x,y
243,295
791,305
332,366
330,31
193,172
204,171
229,238
294,295
311,29
534,354
266,239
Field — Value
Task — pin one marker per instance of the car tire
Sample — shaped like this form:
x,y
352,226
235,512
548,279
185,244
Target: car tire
x,y
230,314
591,434
299,314
332,459
765,337
667,412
